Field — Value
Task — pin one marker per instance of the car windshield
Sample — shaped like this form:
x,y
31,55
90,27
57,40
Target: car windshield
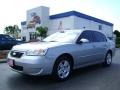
x,y
62,36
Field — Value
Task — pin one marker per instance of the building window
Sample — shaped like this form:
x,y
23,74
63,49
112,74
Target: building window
x,y
100,27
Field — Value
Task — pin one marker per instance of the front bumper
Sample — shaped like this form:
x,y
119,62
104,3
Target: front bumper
x,y
32,65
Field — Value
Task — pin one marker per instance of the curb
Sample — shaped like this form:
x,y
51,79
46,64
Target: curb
x,y
3,61
4,56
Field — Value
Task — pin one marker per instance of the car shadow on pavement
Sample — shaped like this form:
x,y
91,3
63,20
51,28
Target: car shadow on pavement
x,y
78,77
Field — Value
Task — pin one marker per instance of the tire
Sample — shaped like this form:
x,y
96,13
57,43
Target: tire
x,y
108,59
62,68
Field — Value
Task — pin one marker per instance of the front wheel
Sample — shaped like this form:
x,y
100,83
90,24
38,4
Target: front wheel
x,y
108,59
62,68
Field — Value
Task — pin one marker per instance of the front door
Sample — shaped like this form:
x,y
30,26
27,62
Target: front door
x,y
85,51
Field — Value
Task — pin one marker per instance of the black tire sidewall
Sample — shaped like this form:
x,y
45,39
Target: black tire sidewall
x,y
105,63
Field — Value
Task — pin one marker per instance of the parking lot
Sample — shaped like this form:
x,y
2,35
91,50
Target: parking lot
x,y
94,77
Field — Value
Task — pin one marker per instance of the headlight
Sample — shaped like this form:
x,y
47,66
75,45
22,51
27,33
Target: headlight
x,y
36,52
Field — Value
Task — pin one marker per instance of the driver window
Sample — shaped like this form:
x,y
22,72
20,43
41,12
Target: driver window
x,y
87,35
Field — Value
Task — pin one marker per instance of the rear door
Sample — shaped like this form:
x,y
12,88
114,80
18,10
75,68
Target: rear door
x,y
100,46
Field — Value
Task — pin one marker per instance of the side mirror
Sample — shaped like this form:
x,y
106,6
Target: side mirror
x,y
83,40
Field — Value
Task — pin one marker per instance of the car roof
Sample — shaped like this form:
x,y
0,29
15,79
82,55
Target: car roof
x,y
79,30
4,35
73,30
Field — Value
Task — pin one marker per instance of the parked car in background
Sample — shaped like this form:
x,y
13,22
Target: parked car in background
x,y
7,42
59,54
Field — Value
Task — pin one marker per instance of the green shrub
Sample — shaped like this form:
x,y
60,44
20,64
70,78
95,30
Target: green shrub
x,y
118,40
42,31
117,45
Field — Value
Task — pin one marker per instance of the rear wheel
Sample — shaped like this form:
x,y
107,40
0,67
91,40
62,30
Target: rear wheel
x,y
108,59
62,68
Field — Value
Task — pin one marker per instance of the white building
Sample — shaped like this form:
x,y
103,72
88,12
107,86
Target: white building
x,y
69,20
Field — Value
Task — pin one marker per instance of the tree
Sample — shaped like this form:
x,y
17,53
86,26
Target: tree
x,y
8,30
16,31
12,31
42,31
117,33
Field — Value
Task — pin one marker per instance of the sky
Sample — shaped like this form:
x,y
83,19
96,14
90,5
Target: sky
x,y
12,12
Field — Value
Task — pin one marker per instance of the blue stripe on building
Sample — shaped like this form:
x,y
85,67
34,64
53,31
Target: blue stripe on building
x,y
81,15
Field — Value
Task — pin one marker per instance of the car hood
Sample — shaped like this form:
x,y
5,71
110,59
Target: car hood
x,y
37,45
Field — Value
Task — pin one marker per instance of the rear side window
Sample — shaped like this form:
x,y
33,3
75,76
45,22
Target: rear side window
x,y
87,35
99,37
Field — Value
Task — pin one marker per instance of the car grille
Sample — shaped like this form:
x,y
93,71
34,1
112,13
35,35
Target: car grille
x,y
16,54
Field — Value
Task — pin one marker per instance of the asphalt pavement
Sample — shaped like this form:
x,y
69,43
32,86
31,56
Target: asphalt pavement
x,y
94,77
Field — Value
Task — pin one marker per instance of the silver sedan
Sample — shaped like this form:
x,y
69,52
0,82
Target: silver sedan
x,y
62,52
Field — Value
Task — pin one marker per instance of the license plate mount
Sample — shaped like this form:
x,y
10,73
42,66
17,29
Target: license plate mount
x,y
10,62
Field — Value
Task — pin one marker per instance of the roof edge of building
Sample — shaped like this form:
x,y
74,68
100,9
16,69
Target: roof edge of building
x,y
78,14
